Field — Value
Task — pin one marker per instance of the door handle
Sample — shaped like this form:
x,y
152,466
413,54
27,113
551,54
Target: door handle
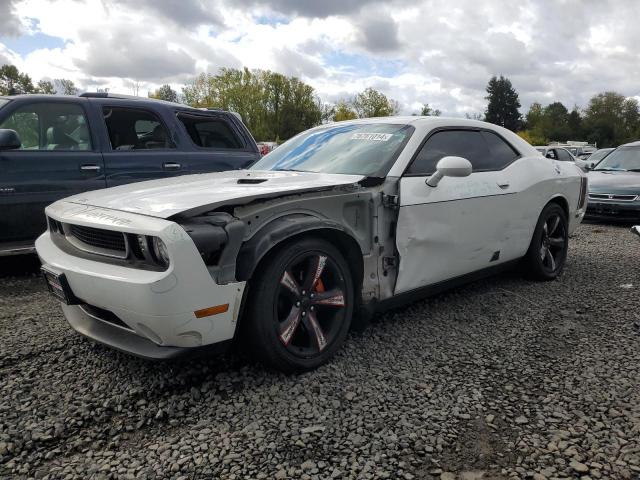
x,y
90,168
503,186
171,166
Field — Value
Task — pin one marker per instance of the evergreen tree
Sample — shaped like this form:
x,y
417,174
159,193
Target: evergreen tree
x,y
503,104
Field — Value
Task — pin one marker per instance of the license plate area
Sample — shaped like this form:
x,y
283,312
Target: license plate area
x,y
58,286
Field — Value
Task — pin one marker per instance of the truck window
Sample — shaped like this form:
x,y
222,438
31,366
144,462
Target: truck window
x,y
50,126
210,132
135,129
563,155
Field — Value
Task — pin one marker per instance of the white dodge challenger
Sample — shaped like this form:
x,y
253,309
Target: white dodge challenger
x,y
344,219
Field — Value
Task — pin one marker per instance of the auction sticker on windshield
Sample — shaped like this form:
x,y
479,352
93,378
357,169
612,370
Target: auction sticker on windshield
x,y
376,137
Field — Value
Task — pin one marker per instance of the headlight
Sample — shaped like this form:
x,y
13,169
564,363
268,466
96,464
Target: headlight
x,y
160,251
142,244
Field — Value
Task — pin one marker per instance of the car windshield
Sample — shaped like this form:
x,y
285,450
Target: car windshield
x,y
355,149
621,159
599,155
3,102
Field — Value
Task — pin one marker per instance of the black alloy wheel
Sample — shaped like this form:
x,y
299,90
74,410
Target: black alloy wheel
x,y
310,304
553,244
547,252
300,305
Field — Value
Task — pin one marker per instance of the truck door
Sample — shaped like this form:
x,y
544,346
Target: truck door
x,y
58,158
139,146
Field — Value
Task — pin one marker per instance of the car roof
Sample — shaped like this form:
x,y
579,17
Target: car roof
x,y
632,144
110,98
424,125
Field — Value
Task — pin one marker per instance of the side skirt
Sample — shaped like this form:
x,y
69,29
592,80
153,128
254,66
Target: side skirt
x,y
436,288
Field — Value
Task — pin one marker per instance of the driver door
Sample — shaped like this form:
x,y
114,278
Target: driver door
x,y
58,158
461,225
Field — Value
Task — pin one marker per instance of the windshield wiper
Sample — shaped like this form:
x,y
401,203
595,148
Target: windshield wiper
x,y
291,170
609,170
633,170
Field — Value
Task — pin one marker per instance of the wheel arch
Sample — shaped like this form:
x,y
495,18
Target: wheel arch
x,y
254,252
557,199
562,201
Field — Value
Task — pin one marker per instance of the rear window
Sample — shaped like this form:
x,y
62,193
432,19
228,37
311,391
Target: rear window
x,y
210,132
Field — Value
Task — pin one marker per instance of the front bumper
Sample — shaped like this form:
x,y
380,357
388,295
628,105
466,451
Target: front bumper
x,y
99,329
621,211
157,309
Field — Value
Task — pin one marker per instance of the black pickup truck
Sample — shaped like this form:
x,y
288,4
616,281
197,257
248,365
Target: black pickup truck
x,y
55,146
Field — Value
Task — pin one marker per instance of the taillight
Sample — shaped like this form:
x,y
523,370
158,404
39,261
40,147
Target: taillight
x,y
583,192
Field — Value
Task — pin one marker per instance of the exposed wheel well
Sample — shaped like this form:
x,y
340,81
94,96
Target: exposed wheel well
x,y
563,204
345,243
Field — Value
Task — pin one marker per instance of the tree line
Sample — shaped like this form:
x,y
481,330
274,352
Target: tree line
x,y
12,82
609,119
277,107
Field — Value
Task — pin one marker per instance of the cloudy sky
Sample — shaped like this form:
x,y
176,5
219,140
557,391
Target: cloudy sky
x,y
436,52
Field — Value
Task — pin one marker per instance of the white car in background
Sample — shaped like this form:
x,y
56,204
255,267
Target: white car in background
x,y
563,155
349,217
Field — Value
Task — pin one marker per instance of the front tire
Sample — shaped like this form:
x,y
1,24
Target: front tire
x,y
547,253
300,305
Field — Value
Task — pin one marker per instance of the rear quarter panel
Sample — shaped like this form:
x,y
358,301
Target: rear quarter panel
x,y
537,181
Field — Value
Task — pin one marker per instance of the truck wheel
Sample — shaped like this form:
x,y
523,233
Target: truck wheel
x,y
547,253
300,306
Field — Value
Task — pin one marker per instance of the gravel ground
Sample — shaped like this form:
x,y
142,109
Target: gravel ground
x,y
499,379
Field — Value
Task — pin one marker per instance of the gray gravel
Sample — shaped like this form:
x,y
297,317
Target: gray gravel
x,y
500,379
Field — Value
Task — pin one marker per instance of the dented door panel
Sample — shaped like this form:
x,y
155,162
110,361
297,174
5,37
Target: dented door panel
x,y
445,232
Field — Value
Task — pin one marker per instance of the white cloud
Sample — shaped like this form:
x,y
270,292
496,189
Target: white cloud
x,y
414,51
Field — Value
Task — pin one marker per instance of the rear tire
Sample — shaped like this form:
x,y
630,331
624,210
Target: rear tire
x,y
300,306
547,253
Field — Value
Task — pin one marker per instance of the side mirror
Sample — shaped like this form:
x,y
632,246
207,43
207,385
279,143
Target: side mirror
x,y
590,166
450,167
9,140
636,230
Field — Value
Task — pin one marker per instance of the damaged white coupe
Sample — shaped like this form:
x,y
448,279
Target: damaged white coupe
x,y
344,219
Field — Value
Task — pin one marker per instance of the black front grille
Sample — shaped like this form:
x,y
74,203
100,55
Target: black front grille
x,y
96,237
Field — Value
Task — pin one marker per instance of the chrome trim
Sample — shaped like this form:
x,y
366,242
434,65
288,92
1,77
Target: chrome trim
x,y
17,251
613,197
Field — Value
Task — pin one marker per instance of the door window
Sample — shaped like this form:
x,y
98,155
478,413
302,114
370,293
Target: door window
x,y
564,155
50,126
502,154
459,143
210,132
135,129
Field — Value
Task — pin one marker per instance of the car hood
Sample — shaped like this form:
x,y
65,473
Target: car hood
x,y
614,182
200,193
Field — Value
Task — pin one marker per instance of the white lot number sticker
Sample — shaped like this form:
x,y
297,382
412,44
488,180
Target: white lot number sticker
x,y
374,137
